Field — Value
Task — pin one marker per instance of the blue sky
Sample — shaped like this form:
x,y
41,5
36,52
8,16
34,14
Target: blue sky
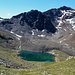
x,y
9,8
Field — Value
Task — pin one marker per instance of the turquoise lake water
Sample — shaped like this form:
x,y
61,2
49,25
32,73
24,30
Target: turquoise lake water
x,y
36,56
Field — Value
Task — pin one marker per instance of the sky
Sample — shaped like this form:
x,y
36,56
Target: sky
x,y
9,8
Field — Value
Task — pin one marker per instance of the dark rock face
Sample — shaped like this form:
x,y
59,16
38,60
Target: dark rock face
x,y
37,20
34,19
53,13
65,8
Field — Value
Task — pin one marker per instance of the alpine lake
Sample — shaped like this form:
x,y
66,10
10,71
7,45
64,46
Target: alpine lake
x,y
36,56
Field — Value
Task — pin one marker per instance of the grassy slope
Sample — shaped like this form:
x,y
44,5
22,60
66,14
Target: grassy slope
x,y
61,68
66,67
61,56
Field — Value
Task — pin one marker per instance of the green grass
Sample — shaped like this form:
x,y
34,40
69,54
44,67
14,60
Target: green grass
x,y
64,67
61,56
60,68
12,55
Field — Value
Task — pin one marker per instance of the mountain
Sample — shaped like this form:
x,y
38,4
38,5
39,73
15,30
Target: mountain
x,y
7,40
52,31
43,31
27,21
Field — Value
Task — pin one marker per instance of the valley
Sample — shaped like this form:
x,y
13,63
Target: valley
x,y
28,38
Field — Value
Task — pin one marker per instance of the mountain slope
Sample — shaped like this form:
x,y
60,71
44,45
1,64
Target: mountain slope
x,y
43,31
62,68
52,31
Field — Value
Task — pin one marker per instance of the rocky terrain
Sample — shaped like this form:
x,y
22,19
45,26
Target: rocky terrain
x,y
46,31
43,31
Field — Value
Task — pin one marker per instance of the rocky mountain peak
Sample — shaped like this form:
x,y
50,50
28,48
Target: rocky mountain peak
x,y
65,8
36,20
54,27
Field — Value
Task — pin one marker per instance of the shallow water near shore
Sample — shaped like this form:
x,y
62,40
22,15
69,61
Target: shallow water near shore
x,y
36,56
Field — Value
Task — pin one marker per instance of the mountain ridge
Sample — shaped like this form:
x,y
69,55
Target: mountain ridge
x,y
52,31
43,31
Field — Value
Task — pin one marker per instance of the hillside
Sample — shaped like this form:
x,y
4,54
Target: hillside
x,y
63,68
51,31
43,31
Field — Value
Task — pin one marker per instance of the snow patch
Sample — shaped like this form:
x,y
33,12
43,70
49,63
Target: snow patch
x,y
61,41
37,30
18,36
69,20
66,44
73,26
72,22
71,34
65,30
12,32
41,35
32,32
62,18
1,19
43,30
